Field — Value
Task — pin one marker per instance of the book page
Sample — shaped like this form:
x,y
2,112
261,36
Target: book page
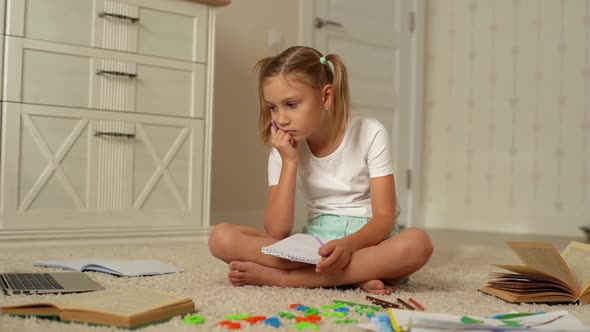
x,y
545,258
427,321
529,278
119,302
577,257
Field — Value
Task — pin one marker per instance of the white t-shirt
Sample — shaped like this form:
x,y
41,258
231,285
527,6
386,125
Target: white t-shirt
x,y
339,183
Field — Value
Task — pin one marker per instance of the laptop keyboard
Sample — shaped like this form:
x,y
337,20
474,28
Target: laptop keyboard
x,y
31,281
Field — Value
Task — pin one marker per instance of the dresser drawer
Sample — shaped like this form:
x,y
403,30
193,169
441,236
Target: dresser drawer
x,y
88,169
163,28
40,72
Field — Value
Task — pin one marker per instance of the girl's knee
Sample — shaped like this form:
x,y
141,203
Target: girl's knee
x,y
417,245
423,242
220,239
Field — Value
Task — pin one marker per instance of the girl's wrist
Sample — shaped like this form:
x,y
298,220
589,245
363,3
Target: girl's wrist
x,y
351,243
290,163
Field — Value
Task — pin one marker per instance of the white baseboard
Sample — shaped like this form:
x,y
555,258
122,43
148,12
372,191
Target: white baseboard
x,y
67,237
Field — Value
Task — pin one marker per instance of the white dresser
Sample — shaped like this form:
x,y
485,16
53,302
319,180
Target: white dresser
x,y
106,119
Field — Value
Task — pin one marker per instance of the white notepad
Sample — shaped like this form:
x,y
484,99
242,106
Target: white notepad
x,y
297,247
119,267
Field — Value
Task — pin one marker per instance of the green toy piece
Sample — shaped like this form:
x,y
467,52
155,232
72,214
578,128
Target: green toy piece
x,y
350,304
346,321
369,313
512,323
363,306
469,320
306,325
334,314
237,317
334,306
287,315
194,319
311,311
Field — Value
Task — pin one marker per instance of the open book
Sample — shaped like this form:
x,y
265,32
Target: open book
x,y
119,267
547,275
298,247
421,321
128,308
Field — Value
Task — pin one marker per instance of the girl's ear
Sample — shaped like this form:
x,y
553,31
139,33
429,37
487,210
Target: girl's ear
x,y
327,95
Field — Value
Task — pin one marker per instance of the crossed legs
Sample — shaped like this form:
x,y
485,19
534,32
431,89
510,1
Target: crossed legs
x,y
370,268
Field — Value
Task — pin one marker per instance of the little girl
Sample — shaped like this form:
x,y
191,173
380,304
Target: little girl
x,y
344,168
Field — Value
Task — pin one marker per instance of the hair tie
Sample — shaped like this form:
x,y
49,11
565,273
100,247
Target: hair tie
x,y
323,60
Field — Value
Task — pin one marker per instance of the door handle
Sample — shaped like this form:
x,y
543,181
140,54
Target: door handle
x,y
320,23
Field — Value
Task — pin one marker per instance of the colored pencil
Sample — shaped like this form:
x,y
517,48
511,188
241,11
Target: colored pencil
x,y
405,304
416,304
382,303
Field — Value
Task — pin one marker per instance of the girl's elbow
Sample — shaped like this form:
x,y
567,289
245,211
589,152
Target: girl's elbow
x,y
387,220
277,233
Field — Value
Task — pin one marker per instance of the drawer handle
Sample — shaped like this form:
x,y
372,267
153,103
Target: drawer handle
x,y
116,73
119,16
113,134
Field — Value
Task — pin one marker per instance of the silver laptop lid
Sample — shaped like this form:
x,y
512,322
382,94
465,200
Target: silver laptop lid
x,y
47,283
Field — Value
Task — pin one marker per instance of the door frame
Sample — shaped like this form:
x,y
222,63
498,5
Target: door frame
x,y
415,49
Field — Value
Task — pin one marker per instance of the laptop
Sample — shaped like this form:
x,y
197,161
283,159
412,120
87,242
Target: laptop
x,y
47,283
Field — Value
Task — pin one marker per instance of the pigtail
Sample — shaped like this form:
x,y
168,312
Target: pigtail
x,y
262,67
341,99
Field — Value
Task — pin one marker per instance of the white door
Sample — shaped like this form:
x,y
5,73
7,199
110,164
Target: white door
x,y
381,42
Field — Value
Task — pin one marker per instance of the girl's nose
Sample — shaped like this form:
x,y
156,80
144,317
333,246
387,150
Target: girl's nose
x,y
282,118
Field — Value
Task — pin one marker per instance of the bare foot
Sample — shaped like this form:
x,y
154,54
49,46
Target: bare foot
x,y
374,286
250,273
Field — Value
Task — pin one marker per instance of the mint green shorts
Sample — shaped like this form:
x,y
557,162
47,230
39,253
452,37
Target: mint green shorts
x,y
330,227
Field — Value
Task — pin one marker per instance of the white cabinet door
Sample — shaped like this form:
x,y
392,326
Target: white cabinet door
x,y
169,29
46,73
76,168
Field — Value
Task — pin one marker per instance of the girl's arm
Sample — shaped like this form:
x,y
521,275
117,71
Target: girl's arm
x,y
336,254
279,216
383,204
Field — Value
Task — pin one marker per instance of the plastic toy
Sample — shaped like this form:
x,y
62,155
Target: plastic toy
x,y
230,325
273,321
194,319
306,325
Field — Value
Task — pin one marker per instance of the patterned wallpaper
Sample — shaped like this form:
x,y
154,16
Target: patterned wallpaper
x,y
507,116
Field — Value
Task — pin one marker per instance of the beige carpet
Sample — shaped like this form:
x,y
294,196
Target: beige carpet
x,y
447,284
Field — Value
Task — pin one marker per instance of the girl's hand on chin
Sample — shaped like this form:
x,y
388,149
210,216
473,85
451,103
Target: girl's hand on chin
x,y
285,144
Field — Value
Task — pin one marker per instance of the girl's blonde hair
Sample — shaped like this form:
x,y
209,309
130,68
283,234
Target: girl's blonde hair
x,y
303,64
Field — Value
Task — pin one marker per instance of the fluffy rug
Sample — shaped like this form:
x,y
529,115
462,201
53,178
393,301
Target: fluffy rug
x,y
448,283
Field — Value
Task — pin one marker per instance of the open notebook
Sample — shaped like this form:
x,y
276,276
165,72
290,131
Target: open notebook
x,y
297,247
118,267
